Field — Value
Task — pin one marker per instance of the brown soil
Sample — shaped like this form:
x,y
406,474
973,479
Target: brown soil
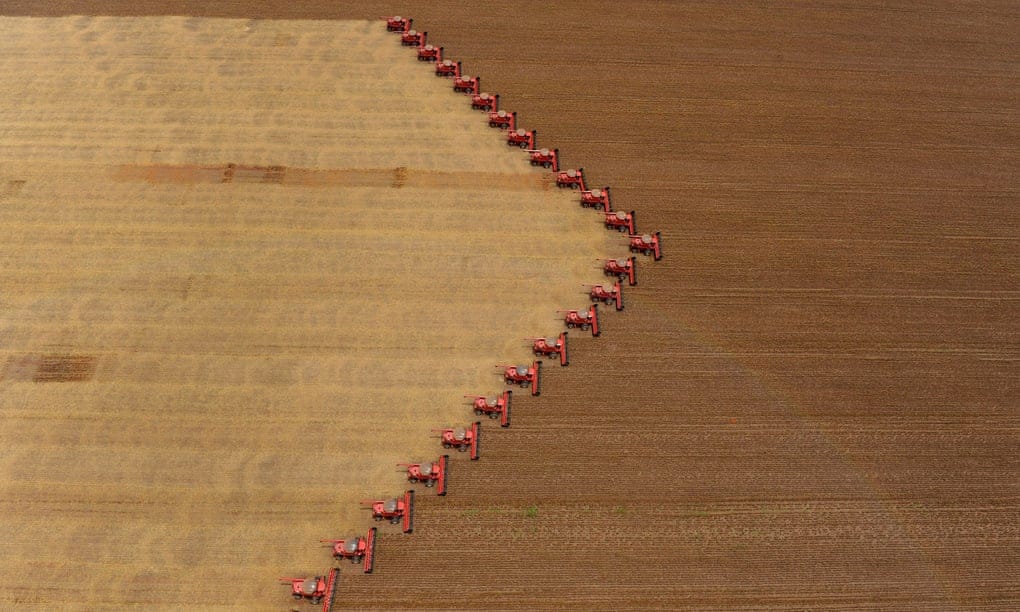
x,y
811,402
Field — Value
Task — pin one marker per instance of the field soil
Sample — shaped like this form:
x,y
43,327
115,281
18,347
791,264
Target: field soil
x,y
811,402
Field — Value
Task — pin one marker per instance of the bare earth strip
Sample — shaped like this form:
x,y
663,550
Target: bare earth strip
x,y
245,268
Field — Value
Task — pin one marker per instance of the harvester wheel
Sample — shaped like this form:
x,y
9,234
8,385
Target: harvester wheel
x,y
478,412
494,415
447,445
429,483
296,596
461,449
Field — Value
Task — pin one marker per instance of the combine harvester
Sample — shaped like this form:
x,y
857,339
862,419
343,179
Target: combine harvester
x,y
357,549
584,319
647,244
595,198
485,102
503,120
573,179
448,68
398,510
524,375
546,158
463,439
607,295
524,139
431,474
496,407
413,38
397,24
429,53
621,221
621,269
466,84
317,589
544,347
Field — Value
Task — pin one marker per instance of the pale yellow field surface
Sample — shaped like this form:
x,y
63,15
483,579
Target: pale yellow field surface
x,y
245,268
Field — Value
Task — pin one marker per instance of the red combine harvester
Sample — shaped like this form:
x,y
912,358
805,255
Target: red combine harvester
x,y
621,269
596,198
396,510
357,549
485,102
544,347
464,439
413,38
621,221
448,68
525,376
317,589
571,178
397,24
607,295
428,53
497,407
648,244
546,158
466,84
524,139
431,474
585,319
503,120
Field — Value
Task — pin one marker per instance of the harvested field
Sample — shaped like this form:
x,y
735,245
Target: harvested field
x,y
262,260
815,397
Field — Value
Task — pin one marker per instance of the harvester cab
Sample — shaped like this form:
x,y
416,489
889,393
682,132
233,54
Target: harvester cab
x,y
496,406
584,319
647,244
596,198
524,139
573,179
621,221
621,269
607,295
546,347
